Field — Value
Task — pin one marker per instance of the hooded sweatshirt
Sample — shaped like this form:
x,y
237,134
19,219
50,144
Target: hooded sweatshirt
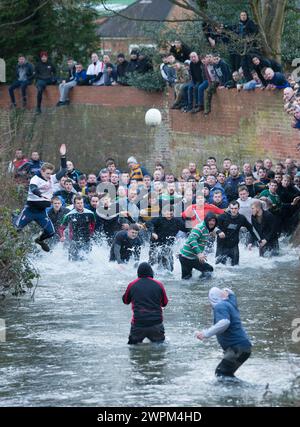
x,y
227,322
147,297
196,242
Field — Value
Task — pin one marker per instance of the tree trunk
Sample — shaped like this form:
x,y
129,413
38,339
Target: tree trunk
x,y
269,16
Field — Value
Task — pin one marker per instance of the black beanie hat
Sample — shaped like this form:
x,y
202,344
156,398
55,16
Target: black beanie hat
x,y
208,217
145,270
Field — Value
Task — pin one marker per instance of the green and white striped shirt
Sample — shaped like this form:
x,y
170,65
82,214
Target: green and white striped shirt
x,y
195,243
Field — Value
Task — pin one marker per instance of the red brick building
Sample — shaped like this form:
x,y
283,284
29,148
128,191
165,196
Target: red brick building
x,y
119,34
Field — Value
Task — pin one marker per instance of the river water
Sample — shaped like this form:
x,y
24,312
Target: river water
x,y
68,345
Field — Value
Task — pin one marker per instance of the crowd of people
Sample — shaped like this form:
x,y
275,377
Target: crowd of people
x,y
195,77
251,205
126,209
207,206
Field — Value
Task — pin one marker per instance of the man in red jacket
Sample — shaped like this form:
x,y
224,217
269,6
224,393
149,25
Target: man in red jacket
x,y
147,297
197,212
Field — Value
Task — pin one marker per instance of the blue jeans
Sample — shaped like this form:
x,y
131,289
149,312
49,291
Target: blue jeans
x,y
15,85
198,89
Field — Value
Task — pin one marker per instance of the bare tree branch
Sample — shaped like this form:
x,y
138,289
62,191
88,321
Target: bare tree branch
x,y
27,17
181,3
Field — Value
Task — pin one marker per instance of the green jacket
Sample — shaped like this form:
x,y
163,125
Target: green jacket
x,y
274,198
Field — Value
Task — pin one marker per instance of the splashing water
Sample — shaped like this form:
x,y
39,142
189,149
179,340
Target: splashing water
x,y
68,346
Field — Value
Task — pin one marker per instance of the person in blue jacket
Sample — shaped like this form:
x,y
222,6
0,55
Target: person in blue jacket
x,y
275,80
76,77
230,333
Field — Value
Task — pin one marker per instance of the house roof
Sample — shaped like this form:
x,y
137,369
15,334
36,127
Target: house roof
x,y
117,27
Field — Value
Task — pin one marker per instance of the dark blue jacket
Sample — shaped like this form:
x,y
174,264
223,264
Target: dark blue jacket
x,y
222,70
29,71
279,81
234,335
231,187
80,78
32,167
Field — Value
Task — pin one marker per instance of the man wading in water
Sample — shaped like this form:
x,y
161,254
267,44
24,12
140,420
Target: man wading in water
x,y
229,330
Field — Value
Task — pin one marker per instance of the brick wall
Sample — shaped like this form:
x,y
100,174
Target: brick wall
x,y
109,121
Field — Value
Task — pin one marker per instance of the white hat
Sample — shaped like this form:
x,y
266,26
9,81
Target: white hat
x,y
132,160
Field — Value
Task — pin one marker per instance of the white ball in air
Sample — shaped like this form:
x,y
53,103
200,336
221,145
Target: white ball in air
x,y
153,117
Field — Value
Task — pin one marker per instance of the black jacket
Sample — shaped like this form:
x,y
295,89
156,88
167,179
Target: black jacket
x,y
108,221
267,229
166,229
196,70
182,54
121,71
287,194
45,71
132,66
265,63
147,296
123,248
67,196
231,225
56,217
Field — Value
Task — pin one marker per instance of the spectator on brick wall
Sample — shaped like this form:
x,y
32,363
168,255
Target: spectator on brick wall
x,y
245,29
121,67
275,80
197,86
95,71
181,85
168,69
45,74
133,62
144,63
76,75
24,78
296,122
110,75
259,63
289,99
216,35
236,81
253,84
222,69
180,51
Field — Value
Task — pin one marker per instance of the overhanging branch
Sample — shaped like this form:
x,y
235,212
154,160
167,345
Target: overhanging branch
x,y
7,24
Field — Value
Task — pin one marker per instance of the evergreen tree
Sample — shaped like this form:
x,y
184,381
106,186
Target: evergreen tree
x,y
62,28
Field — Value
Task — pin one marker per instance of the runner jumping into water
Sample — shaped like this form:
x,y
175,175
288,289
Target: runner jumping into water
x,y
39,197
